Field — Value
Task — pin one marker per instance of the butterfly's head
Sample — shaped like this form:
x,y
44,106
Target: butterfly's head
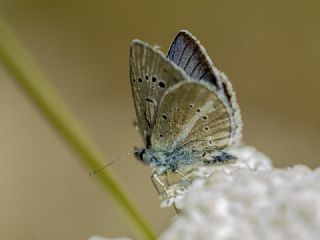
x,y
139,153
149,157
145,155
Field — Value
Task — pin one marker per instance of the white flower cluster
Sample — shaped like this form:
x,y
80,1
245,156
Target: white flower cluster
x,y
247,200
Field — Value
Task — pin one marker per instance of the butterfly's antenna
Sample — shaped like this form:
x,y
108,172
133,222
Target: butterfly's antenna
x,y
108,164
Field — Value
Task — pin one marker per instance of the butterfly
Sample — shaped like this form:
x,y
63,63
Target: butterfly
x,y
186,108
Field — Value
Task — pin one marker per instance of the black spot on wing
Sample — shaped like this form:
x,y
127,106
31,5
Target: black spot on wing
x,y
150,100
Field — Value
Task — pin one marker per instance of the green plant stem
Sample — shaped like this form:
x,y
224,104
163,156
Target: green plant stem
x,y
29,78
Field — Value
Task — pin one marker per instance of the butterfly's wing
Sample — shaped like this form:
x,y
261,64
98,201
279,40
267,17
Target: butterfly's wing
x,y
192,118
187,52
151,74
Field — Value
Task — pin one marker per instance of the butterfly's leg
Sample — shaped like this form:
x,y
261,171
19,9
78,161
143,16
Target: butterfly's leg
x,y
178,211
185,177
155,177
166,179
155,184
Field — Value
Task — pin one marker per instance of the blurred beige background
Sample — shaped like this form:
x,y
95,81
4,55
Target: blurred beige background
x,y
269,49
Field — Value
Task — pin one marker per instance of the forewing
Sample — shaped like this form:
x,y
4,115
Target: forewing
x,y
192,118
151,74
187,52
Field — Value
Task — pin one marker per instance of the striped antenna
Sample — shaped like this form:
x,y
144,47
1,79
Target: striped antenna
x,y
108,164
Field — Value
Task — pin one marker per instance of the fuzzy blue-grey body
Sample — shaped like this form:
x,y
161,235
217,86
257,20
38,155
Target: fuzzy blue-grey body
x,y
170,161
165,161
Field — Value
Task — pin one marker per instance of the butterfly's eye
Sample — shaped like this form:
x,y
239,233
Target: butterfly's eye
x,y
140,154
162,84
